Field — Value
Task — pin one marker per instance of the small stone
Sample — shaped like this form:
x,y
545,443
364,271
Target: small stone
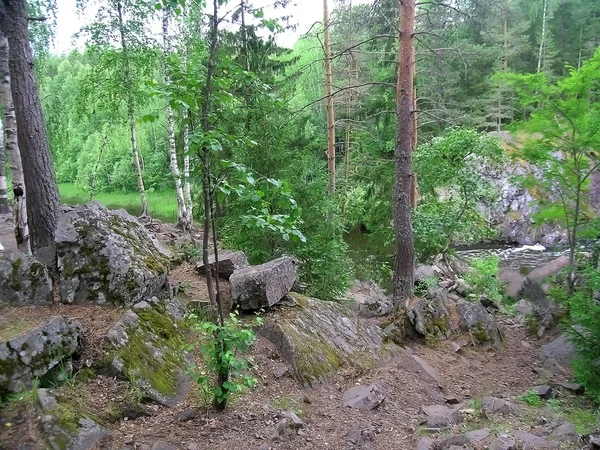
x,y
451,400
503,442
439,416
545,391
459,442
525,344
188,414
280,370
493,406
163,445
477,436
47,402
364,397
576,388
455,347
532,442
565,432
544,373
193,446
425,444
294,421
416,364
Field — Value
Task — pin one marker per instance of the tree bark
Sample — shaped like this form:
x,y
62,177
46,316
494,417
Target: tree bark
x,y
3,195
42,190
329,92
404,179
12,150
543,38
127,79
182,215
187,193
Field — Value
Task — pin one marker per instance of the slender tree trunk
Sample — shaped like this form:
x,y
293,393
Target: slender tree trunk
x,y
329,93
348,131
543,38
3,195
96,166
12,150
42,190
403,183
182,215
187,193
127,79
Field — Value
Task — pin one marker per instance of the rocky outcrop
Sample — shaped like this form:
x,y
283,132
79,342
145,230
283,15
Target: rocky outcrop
x,y
430,317
229,262
263,286
372,301
33,353
149,343
318,337
107,256
480,324
23,280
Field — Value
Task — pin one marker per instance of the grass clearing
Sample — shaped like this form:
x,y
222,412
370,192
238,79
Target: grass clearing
x,y
161,204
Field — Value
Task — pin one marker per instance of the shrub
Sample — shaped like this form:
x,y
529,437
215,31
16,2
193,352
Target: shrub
x,y
483,278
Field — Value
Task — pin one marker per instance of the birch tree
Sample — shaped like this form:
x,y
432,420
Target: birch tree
x,y
12,150
329,93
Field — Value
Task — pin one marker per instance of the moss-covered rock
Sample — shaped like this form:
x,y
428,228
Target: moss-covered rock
x,y
23,280
33,353
430,317
107,256
149,350
480,324
317,337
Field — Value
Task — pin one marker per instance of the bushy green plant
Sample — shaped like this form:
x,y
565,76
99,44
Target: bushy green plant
x,y
585,315
226,372
483,278
532,398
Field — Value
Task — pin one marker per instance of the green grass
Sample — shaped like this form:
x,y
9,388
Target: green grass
x,y
161,204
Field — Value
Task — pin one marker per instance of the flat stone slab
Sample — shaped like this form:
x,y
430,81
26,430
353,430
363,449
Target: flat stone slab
x,y
364,397
316,338
229,262
416,364
493,406
33,353
439,416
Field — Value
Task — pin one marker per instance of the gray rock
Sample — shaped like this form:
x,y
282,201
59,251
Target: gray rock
x,y
493,406
439,416
416,364
280,370
33,353
361,438
108,256
561,350
595,441
477,436
263,286
23,280
82,434
163,445
524,307
532,442
504,442
565,432
461,287
229,262
188,414
514,281
149,353
377,305
46,400
429,315
287,426
576,388
364,397
293,420
479,323
424,271
454,442
545,391
425,444
318,337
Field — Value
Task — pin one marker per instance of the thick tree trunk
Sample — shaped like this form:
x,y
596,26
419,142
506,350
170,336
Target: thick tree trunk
x,y
131,112
12,150
405,139
543,38
42,190
329,93
182,221
3,195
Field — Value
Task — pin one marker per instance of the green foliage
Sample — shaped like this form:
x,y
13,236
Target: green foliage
x,y
483,278
427,283
585,315
532,398
221,347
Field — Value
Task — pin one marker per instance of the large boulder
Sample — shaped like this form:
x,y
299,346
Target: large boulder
x,y
23,280
480,324
34,352
229,262
263,286
534,286
149,345
561,350
430,316
316,338
108,256
372,301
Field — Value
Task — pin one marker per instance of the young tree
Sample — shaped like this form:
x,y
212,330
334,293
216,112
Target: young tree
x,y
12,150
329,93
404,264
42,190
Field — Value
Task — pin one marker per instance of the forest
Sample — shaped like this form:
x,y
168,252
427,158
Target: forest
x,y
394,138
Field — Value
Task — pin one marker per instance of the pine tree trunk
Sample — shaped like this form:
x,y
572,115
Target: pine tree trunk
x,y
42,191
403,183
187,194
543,39
12,150
3,195
182,221
329,93
131,112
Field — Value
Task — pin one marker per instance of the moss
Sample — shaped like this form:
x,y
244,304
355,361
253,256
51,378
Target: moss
x,y
302,300
435,328
480,334
13,329
67,418
15,282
